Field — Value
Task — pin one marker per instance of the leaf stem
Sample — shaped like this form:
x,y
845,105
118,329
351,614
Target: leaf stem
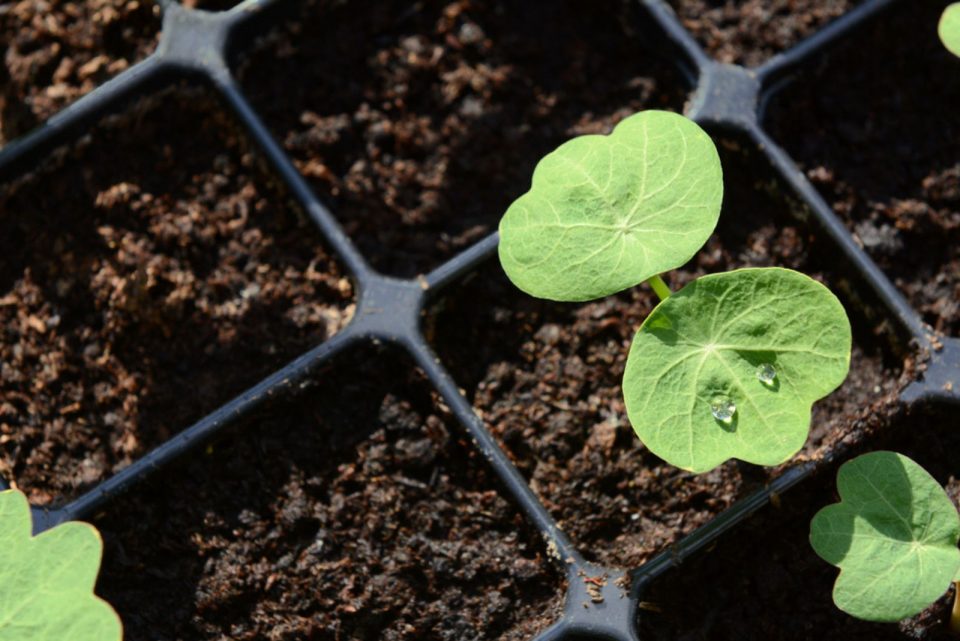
x,y
659,287
955,613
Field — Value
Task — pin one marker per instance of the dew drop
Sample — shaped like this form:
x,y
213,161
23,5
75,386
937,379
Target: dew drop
x,y
766,374
723,408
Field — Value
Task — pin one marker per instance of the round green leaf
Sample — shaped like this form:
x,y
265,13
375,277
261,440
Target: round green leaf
x,y
759,344
605,213
893,535
46,581
949,28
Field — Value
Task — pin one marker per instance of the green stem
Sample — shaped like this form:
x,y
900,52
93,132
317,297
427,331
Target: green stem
x,y
659,287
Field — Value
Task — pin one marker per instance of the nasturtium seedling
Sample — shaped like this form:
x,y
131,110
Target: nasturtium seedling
x,y
46,581
605,213
729,366
893,535
949,28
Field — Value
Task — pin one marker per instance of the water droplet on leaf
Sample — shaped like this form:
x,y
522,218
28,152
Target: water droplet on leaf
x,y
766,373
723,408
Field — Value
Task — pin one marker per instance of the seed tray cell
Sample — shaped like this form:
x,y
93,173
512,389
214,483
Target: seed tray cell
x,y
888,166
782,598
448,109
145,279
364,516
549,387
730,101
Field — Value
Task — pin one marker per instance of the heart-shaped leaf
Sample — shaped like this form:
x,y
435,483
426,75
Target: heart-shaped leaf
x,y
46,581
605,213
729,366
893,535
949,28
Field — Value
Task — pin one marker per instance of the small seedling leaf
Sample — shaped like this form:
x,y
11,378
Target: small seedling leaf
x,y
729,366
46,581
605,213
893,535
949,28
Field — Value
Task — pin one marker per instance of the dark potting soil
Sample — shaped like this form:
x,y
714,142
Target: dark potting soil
x,y
419,124
149,276
875,127
358,511
549,387
726,593
748,32
56,51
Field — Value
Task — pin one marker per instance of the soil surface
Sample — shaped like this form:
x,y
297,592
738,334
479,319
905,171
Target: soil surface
x,y
145,279
420,127
875,127
358,512
154,270
748,32
55,51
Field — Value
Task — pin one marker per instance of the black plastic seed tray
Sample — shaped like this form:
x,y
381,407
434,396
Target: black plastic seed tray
x,y
725,99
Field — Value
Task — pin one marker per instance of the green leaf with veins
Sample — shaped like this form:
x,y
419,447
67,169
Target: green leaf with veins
x,y
46,581
893,535
605,213
716,341
949,28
